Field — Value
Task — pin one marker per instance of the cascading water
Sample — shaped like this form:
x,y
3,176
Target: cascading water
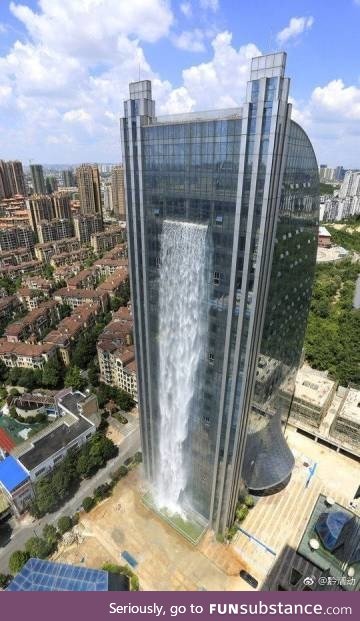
x,y
182,333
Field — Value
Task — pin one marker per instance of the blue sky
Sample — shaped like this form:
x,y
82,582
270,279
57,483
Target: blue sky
x,y
65,66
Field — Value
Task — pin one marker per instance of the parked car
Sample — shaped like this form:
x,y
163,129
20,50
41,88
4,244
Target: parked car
x,y
249,578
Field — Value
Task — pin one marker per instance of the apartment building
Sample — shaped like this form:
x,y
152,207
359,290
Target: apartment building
x,y
30,298
77,297
37,178
118,192
15,257
44,252
33,326
12,179
86,225
70,258
46,208
114,283
16,271
107,240
9,306
88,180
54,230
26,355
70,328
116,353
85,279
16,237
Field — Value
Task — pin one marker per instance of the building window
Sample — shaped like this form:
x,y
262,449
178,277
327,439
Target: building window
x,y
216,278
219,220
211,357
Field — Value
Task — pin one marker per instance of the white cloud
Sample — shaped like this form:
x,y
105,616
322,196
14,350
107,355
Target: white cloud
x,y
190,40
77,116
294,29
186,9
62,88
212,5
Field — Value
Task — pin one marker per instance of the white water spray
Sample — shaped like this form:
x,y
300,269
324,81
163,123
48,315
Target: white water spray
x,y
182,333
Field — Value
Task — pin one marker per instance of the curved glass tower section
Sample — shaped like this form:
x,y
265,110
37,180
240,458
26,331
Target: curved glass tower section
x,y
222,228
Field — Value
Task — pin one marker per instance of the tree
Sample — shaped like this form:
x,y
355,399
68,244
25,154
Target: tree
x,y
73,378
50,535
17,561
88,503
241,513
4,580
249,501
134,583
52,373
37,547
93,374
3,372
64,524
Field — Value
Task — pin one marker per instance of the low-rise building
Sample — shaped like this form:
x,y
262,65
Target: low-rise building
x,y
86,279
16,237
77,297
346,425
15,271
36,282
70,328
32,327
44,252
15,484
71,430
9,306
26,355
114,283
86,225
107,240
30,298
15,257
119,252
312,398
54,230
116,353
324,238
107,267
68,258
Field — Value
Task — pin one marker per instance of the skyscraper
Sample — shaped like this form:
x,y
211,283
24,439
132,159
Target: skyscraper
x,y
118,192
88,180
43,207
68,178
12,180
37,176
222,231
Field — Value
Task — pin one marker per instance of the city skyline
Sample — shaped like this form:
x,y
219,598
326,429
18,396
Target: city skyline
x,y
62,95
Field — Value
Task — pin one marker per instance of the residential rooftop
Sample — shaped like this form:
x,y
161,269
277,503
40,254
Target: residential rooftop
x,y
12,473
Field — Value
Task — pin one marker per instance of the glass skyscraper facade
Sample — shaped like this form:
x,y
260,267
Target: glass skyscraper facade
x,y
242,184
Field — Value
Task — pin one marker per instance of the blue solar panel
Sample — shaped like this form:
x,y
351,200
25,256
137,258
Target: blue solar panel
x,y
39,575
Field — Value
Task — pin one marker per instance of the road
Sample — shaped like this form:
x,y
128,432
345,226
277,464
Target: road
x,y
21,532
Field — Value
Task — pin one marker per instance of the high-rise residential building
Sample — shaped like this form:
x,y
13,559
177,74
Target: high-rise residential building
x,y
223,211
12,180
107,198
44,207
16,237
51,184
85,225
54,229
88,180
17,178
68,178
37,177
118,192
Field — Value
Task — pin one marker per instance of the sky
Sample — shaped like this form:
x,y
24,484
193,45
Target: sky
x,y
65,66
